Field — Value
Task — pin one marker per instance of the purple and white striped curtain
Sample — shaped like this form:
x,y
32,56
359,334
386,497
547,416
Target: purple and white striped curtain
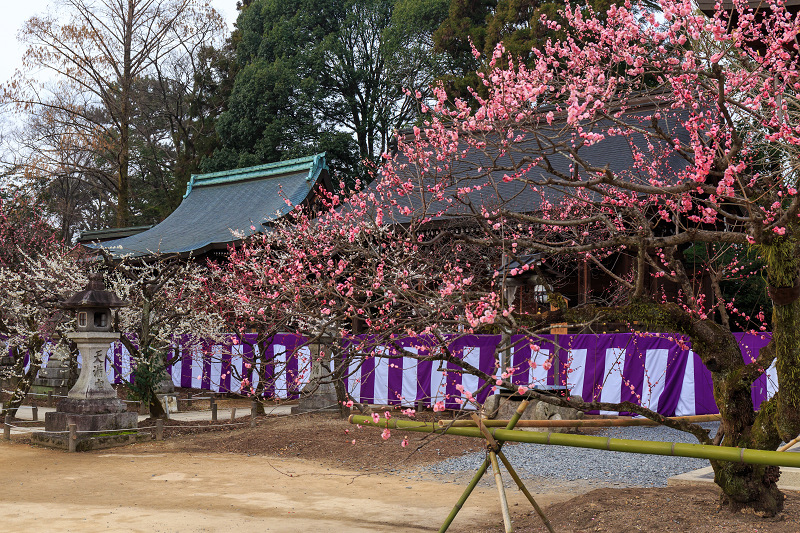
x,y
655,370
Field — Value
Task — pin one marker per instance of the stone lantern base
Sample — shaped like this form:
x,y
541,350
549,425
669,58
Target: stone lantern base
x,y
100,423
101,419
323,398
85,442
102,414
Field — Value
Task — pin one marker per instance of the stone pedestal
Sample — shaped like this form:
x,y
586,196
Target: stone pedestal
x,y
92,404
90,415
93,382
316,396
322,399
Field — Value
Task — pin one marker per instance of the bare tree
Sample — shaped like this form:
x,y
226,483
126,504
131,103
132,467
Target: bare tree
x,y
97,51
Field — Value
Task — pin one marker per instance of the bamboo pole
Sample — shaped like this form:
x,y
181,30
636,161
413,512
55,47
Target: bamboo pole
x,y
493,447
678,449
587,423
518,414
498,479
525,491
693,418
478,475
462,500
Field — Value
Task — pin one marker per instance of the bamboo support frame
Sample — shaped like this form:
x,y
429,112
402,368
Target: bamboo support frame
x,y
498,479
581,423
678,449
478,475
495,452
524,490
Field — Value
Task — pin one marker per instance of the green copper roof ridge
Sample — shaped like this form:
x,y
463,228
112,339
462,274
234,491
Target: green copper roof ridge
x,y
319,165
315,163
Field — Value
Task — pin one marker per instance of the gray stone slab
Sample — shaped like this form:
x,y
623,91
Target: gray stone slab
x,y
789,480
59,421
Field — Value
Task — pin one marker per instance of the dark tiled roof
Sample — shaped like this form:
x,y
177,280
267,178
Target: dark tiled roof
x,y
709,6
518,195
221,208
110,233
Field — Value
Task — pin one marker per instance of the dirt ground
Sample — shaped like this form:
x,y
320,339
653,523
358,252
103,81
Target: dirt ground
x,y
304,473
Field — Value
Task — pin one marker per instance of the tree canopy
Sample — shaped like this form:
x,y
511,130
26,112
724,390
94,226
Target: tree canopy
x,y
112,115
324,76
483,24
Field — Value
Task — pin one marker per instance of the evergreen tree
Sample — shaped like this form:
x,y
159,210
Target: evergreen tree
x,y
325,76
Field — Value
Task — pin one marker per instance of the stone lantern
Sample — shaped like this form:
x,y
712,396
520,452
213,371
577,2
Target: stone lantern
x,y
93,335
93,305
92,403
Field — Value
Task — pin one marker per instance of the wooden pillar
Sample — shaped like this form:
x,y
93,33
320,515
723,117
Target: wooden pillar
x,y
73,437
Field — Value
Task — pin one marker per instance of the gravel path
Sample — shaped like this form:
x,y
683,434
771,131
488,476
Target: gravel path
x,y
588,465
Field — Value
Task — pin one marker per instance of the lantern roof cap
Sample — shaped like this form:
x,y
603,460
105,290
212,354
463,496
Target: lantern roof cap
x,y
94,295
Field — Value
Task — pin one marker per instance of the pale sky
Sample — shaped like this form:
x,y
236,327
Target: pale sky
x,y
16,12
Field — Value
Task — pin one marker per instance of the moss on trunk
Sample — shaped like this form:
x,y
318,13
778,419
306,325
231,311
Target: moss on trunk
x,y
786,337
742,486
749,487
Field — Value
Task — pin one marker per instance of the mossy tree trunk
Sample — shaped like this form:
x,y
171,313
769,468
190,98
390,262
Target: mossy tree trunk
x,y
783,266
754,486
742,485
156,408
